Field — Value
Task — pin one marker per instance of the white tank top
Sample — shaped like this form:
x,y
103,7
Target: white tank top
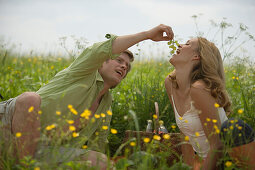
x,y
190,124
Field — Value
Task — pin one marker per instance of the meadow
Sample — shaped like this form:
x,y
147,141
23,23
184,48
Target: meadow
x,y
133,103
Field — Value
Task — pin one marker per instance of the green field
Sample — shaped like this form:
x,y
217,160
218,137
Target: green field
x,y
143,86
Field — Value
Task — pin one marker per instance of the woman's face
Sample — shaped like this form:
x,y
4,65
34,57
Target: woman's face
x,y
185,53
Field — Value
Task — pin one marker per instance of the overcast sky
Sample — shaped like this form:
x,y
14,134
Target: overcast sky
x,y
38,25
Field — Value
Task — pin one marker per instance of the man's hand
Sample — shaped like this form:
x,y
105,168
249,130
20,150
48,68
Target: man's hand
x,y
157,33
122,43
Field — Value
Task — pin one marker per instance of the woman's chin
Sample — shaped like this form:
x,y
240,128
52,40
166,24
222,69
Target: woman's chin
x,y
171,61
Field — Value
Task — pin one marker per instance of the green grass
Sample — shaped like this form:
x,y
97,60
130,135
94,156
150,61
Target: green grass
x,y
143,86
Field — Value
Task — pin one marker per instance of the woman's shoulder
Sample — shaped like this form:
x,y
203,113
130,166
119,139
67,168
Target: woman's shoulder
x,y
199,84
199,90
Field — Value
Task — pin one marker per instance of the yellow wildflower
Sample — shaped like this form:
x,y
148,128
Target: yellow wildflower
x,y
52,67
84,147
216,105
18,134
70,106
205,124
240,127
37,168
72,128
86,114
156,137
228,163
104,127
146,140
132,143
109,112
102,115
31,109
70,122
237,78
114,131
208,119
240,134
214,121
217,131
166,136
48,128
97,116
231,127
75,134
97,133
232,121
52,126
197,134
39,112
155,116
233,77
73,111
173,126
186,138
58,112
240,111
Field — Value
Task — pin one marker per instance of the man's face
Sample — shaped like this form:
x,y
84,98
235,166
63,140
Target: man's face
x,y
113,71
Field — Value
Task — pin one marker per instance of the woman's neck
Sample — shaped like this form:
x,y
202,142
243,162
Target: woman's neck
x,y
183,78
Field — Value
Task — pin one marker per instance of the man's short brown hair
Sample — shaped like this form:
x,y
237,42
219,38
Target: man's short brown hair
x,y
130,54
131,57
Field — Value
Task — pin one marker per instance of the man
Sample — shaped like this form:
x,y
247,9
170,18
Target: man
x,y
77,93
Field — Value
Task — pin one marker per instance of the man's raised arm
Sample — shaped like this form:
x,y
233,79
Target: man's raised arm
x,y
122,43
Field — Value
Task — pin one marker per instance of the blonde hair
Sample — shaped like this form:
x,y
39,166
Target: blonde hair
x,y
210,70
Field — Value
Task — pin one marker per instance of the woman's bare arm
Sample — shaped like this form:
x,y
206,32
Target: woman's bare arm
x,y
205,103
187,152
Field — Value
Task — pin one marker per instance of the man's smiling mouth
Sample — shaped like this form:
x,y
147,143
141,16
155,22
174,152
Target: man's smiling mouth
x,y
119,72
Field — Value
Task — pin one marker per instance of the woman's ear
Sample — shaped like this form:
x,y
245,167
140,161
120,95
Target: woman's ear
x,y
196,57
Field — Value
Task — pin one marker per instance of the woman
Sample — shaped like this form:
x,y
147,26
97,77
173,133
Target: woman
x,y
197,92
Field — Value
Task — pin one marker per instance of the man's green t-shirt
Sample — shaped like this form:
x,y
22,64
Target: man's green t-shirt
x,y
78,85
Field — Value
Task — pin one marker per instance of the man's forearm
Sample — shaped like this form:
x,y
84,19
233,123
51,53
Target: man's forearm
x,y
122,43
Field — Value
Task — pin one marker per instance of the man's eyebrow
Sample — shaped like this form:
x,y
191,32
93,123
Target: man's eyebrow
x,y
122,60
